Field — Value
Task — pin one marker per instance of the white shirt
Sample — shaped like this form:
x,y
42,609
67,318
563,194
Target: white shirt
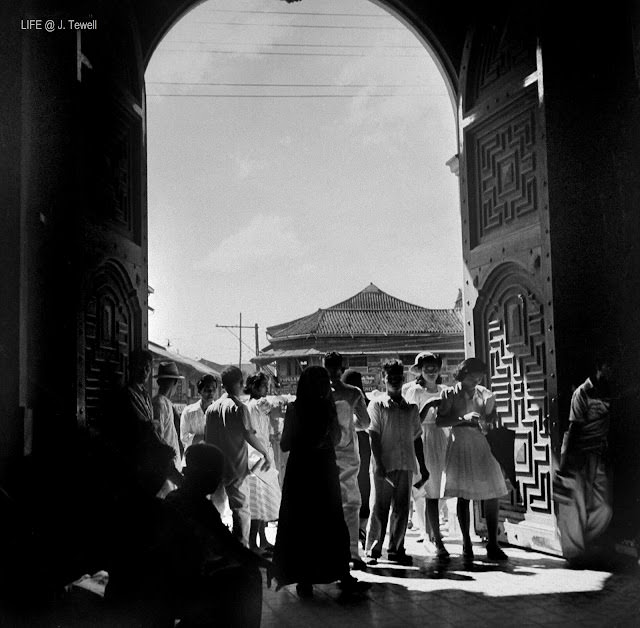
x,y
192,423
414,392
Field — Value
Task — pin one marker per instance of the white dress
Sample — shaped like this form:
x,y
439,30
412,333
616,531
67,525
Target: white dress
x,y
471,471
263,486
435,440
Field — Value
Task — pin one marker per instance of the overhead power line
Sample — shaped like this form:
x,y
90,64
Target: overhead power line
x,y
289,54
267,44
288,95
385,15
380,85
358,28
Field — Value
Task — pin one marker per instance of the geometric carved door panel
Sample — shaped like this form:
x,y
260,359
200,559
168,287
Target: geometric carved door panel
x,y
111,320
515,349
508,302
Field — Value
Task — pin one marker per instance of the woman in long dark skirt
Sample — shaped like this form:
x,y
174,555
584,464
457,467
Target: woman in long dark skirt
x,y
312,545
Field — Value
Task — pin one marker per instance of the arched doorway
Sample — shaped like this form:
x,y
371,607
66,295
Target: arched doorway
x,y
549,185
502,180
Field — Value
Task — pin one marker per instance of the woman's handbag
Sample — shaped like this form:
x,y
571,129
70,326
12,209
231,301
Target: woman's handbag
x,y
501,441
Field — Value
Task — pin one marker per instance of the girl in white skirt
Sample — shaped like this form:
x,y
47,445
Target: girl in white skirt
x,y
425,392
471,471
264,487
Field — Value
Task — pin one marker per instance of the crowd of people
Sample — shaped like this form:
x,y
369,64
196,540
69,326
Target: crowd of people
x,y
356,467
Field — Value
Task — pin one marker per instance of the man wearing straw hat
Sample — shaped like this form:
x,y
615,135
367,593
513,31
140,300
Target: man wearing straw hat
x,y
168,377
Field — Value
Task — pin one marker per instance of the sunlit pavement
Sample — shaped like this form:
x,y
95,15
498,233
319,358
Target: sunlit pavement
x,y
532,589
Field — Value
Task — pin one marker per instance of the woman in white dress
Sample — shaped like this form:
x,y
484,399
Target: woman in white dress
x,y
425,392
192,419
471,471
264,487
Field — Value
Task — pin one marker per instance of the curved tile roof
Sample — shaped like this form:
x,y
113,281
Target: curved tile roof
x,y
370,312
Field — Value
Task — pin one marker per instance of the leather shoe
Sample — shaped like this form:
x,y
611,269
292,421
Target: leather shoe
x,y
494,552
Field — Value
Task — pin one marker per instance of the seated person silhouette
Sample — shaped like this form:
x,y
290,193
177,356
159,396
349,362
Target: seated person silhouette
x,y
145,547
222,582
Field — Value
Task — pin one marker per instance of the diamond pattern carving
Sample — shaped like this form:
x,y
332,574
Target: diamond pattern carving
x,y
504,174
517,359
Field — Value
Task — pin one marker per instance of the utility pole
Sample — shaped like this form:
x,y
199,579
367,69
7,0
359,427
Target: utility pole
x,y
240,327
257,347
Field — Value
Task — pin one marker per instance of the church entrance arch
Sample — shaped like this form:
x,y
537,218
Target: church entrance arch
x,y
495,78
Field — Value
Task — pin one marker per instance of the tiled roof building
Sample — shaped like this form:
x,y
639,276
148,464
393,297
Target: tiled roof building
x,y
366,328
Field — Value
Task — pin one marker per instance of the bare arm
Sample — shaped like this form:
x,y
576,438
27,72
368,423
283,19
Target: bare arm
x,y
432,403
287,430
252,439
448,418
362,419
417,446
376,452
186,434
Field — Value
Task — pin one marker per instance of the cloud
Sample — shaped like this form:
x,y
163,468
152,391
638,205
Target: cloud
x,y
266,240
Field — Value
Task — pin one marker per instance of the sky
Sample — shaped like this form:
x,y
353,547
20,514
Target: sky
x,y
296,153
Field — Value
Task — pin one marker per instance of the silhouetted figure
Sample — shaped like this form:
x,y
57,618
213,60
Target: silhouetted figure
x,y
129,425
583,482
352,414
221,582
354,378
144,561
228,426
312,545
471,471
396,447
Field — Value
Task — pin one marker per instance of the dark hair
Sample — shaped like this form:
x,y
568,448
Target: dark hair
x,y
204,456
140,356
206,380
313,383
470,365
332,360
427,357
393,367
598,361
253,384
315,408
354,378
231,375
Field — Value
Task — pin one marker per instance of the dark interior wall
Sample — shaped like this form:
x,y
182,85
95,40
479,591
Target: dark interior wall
x,y
10,161
40,229
593,134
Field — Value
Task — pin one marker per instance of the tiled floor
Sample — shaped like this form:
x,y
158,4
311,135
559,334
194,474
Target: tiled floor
x,y
530,590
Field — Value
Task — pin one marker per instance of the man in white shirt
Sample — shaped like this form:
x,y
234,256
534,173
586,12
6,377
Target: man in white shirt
x,y
397,453
168,377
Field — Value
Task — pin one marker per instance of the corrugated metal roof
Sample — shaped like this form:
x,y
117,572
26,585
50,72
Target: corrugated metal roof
x,y
371,312
181,359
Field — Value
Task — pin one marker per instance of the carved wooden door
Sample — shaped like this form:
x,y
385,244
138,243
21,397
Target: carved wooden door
x,y
508,302
113,250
